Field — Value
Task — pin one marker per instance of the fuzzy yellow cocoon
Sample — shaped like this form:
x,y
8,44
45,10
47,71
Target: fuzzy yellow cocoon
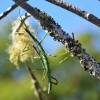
x,y
21,48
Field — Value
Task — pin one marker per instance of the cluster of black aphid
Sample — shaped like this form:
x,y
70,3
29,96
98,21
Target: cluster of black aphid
x,y
88,62
54,29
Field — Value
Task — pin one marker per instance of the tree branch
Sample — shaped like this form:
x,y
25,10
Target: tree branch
x,y
55,31
89,17
2,15
36,84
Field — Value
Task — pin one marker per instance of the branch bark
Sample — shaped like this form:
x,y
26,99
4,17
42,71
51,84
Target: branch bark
x,y
2,15
8,11
84,14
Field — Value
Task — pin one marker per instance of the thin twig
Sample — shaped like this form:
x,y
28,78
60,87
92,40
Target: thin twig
x,y
55,31
2,15
84,14
36,85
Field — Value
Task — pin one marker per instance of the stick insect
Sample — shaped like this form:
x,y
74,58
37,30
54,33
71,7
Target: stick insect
x,y
43,57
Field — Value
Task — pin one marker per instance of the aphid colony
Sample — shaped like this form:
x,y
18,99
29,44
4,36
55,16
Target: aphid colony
x,y
54,30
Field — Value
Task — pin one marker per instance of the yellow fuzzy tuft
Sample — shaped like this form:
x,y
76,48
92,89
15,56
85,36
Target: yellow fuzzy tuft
x,y
21,48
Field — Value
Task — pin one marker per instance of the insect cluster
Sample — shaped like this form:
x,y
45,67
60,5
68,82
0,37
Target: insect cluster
x,y
55,30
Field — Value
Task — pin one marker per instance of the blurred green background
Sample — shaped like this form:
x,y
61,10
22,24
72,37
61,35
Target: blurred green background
x,y
74,82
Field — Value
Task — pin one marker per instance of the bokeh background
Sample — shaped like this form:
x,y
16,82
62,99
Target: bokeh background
x,y
74,82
